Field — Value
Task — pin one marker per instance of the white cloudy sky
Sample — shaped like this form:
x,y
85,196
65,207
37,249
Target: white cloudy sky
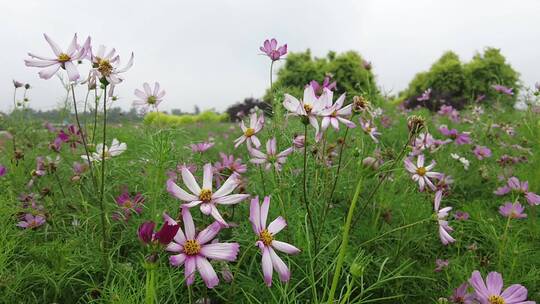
x,y
206,52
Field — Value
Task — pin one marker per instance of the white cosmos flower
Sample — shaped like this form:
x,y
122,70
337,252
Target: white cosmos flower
x,y
116,149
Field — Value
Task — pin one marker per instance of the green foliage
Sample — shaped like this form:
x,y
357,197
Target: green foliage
x,y
345,68
162,119
452,78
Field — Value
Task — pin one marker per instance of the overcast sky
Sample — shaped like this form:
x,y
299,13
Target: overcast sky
x,y
205,53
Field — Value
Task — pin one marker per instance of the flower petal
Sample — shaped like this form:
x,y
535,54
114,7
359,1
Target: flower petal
x,y
221,251
207,272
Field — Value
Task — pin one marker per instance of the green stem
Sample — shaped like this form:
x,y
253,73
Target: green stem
x,y
102,190
306,203
262,179
150,297
344,242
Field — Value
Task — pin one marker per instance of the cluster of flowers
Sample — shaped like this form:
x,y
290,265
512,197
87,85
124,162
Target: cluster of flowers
x,y
33,215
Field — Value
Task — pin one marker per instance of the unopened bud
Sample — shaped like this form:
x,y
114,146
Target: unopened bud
x,y
360,104
415,124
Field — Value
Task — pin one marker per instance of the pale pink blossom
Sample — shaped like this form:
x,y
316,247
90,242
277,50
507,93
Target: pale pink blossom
x,y
249,133
421,173
271,157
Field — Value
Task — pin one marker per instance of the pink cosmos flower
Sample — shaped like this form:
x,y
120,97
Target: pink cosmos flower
x,y
73,136
3,170
255,126
461,215
441,264
370,129
513,184
421,173
425,96
66,60
503,89
319,88
128,204
450,112
49,126
163,237
442,188
194,249
309,108
444,228
271,157
333,114
149,98
106,67
426,141
491,291
201,147
299,141
512,210
459,138
461,296
228,166
482,152
30,221
271,49
204,196
266,243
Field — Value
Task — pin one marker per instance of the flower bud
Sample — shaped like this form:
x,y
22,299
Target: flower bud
x,y
360,104
415,124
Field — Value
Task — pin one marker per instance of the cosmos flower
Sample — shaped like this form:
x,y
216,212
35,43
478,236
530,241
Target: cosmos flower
x,y
370,129
271,49
441,264
465,162
116,149
482,152
461,215
455,135
442,188
128,204
106,67
149,98
3,170
271,157
66,60
201,147
450,112
420,173
308,108
512,210
17,84
205,197
461,296
333,114
425,96
163,237
255,126
444,228
195,249
426,142
30,221
319,88
258,215
513,184
491,291
503,89
228,166
73,136
299,141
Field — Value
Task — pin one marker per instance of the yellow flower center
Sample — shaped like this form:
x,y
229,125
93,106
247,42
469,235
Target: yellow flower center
x,y
249,132
206,195
496,300
151,100
128,204
192,247
266,237
104,67
421,171
64,57
106,154
334,114
308,107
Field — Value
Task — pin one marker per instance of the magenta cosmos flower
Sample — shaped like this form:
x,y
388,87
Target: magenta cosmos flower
x,y
270,260
163,237
128,204
73,136
513,184
271,157
309,108
512,210
204,196
3,170
335,113
444,227
149,98
194,249
271,49
503,89
256,124
319,88
491,291
66,60
461,296
30,221
201,147
455,135
482,152
421,173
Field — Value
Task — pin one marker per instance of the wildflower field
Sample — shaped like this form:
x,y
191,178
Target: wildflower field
x,y
327,192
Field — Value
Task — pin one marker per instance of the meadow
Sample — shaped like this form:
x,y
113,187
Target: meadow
x,y
321,198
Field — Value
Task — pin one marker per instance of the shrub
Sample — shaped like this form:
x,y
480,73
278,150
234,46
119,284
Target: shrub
x,y
162,119
237,110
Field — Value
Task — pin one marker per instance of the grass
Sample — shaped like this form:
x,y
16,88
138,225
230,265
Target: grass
x,y
393,239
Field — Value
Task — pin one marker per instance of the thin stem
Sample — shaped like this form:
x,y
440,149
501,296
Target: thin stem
x,y
96,99
102,190
84,110
310,219
271,75
59,184
262,179
344,242
504,237
83,136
